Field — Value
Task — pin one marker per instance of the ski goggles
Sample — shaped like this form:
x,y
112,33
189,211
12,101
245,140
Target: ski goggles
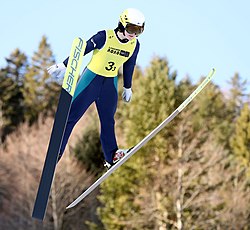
x,y
134,29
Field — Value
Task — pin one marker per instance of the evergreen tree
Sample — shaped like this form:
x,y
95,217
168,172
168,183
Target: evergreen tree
x,y
11,91
240,141
235,101
40,92
237,94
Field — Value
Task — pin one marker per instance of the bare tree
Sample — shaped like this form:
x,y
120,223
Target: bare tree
x,y
21,164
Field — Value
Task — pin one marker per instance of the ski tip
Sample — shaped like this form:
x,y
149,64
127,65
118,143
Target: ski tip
x,y
213,70
211,73
70,206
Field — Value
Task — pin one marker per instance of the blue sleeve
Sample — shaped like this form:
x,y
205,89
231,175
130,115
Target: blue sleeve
x,y
97,41
128,67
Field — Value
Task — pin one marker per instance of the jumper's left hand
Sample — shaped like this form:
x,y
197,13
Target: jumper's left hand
x,y
127,94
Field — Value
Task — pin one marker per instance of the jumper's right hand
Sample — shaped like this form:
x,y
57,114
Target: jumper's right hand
x,y
57,71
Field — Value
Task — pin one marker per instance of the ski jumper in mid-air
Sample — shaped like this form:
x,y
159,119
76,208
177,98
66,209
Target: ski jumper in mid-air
x,y
98,82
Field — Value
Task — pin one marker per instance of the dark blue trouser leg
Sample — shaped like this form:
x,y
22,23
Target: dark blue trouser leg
x,y
106,106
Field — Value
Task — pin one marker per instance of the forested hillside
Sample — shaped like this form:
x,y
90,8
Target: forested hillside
x,y
193,175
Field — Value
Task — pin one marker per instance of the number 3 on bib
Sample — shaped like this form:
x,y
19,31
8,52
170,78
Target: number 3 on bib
x,y
110,66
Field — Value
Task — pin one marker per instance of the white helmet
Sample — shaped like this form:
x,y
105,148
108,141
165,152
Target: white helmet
x,y
132,20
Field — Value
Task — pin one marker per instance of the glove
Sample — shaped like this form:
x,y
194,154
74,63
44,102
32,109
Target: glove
x,y
127,94
57,71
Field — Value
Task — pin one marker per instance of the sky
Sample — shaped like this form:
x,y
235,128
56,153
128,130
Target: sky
x,y
193,35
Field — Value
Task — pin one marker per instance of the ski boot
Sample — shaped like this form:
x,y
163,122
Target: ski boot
x,y
118,155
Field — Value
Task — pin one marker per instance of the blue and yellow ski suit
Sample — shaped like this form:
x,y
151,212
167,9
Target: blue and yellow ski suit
x,y
98,83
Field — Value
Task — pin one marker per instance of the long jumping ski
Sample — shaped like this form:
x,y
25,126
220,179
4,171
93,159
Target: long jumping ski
x,y
61,117
145,140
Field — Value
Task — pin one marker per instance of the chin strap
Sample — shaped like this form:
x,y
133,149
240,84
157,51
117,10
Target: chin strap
x,y
118,29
